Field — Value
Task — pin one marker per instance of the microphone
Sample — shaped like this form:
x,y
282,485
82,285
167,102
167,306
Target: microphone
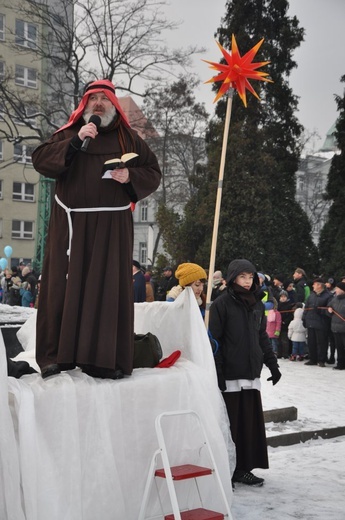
x,y
96,120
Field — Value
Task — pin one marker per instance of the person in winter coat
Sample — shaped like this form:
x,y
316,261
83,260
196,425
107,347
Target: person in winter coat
x,y
337,310
139,283
190,275
301,285
285,307
278,285
91,233
289,287
169,281
6,284
268,299
298,335
274,322
330,285
30,278
237,322
27,299
317,321
150,293
14,292
218,285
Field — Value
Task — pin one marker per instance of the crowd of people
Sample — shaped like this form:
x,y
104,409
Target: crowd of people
x,y
19,286
254,319
299,315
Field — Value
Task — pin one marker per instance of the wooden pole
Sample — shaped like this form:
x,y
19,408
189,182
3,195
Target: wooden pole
x,y
218,204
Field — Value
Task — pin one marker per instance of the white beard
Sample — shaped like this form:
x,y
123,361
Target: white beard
x,y
106,119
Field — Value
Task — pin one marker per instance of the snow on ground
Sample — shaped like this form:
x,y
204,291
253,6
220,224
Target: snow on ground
x,y
305,481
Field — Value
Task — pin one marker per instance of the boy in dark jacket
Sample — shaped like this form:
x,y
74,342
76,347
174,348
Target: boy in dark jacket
x,y
238,323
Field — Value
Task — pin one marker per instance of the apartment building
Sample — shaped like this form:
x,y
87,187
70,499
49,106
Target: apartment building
x,y
19,183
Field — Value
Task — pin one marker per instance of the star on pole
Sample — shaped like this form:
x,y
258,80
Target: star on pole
x,y
237,70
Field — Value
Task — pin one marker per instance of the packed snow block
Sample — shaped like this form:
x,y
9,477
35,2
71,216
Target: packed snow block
x,y
74,447
281,415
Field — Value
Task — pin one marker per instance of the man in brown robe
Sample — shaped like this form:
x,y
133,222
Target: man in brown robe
x,y
86,313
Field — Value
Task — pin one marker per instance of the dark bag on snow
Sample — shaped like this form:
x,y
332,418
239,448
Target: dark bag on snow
x,y
147,350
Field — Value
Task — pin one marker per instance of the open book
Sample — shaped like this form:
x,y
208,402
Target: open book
x,y
116,163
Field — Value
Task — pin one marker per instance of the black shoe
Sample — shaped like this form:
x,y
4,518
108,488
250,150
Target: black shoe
x,y
337,367
102,373
310,363
50,370
321,364
118,374
246,477
330,361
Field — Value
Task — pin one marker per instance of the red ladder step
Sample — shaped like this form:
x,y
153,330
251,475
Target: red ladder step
x,y
185,471
198,514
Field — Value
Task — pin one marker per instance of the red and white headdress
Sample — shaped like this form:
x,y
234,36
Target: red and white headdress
x,y
103,85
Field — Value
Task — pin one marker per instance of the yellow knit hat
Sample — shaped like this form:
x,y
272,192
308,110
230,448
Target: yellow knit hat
x,y
189,273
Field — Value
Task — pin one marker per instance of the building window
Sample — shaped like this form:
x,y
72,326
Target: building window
x,y
23,191
0,189
1,152
26,116
2,27
26,34
143,210
142,253
2,112
26,77
2,70
22,153
300,184
0,227
22,229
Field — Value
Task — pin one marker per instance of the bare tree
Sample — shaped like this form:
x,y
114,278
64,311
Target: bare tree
x,y
311,189
78,42
181,125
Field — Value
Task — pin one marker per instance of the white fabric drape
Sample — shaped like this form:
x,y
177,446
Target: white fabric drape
x,y
77,448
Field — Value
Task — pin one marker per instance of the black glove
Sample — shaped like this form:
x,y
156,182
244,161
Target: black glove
x,y
275,375
220,377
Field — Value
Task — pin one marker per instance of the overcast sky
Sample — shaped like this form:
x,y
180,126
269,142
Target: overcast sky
x,y
320,58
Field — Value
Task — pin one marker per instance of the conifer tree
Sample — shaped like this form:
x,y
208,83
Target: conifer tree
x,y
332,237
260,218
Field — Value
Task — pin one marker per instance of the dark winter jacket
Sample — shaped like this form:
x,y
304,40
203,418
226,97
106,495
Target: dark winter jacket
x,y
338,304
241,330
139,287
313,316
285,308
300,289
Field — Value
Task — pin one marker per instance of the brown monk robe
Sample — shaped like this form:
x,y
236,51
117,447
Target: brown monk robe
x,y
86,312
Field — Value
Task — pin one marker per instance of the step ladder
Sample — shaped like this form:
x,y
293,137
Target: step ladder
x,y
182,472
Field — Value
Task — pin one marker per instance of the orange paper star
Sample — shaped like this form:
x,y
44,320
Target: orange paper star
x,y
237,71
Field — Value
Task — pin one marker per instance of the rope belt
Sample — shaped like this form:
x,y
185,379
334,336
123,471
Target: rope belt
x,y
83,210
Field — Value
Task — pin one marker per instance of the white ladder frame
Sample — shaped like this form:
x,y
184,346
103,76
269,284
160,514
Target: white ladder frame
x,y
162,451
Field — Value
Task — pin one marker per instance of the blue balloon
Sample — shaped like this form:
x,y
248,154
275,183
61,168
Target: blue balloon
x,y
3,263
8,251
